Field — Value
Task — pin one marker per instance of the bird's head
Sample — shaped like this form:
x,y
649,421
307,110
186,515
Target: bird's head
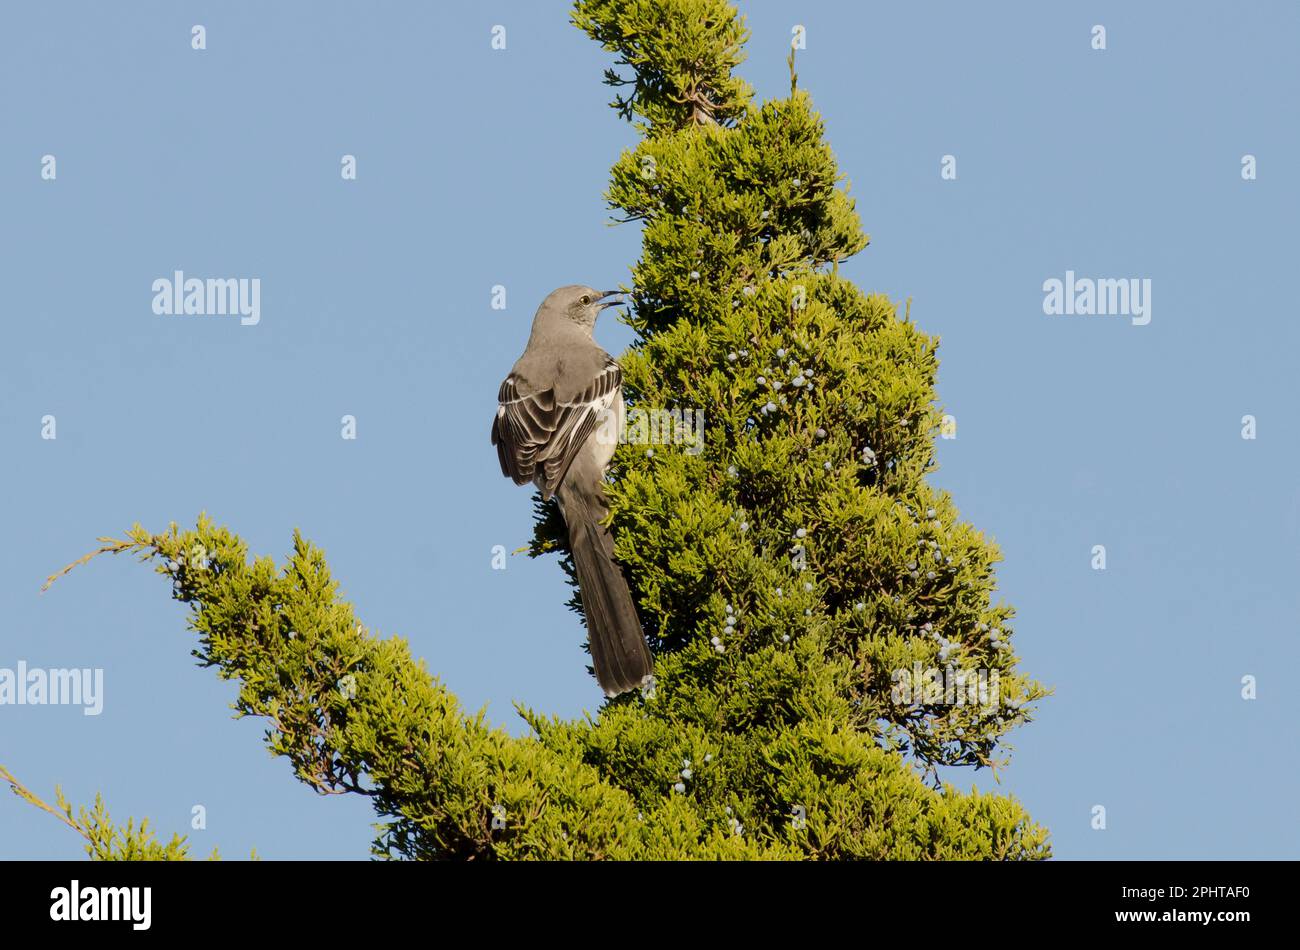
x,y
581,304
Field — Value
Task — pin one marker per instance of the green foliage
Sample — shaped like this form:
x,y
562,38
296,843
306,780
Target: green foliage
x,y
820,417
784,572
681,53
109,842
105,841
354,713
807,513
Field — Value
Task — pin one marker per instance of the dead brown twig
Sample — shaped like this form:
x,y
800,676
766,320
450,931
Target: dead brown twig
x,y
110,546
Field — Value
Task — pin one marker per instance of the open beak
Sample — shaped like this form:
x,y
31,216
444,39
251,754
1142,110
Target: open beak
x,y
610,303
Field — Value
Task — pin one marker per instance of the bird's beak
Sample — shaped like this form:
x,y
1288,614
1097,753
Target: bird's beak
x,y
610,303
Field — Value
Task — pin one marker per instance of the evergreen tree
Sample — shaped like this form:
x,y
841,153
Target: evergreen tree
x,y
785,569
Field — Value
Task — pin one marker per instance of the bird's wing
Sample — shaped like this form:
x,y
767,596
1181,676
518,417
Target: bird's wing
x,y
536,432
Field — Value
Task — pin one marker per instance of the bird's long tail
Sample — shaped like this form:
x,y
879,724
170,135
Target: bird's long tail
x,y
618,648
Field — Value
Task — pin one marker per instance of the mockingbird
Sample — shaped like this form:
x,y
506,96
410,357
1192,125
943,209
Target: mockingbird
x,y
552,429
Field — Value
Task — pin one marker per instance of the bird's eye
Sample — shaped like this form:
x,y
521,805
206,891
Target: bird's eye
x,y
585,300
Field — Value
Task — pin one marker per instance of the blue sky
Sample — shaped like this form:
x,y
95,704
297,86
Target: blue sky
x,y
479,167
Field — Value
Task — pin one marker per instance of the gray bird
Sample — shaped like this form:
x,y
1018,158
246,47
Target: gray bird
x,y
557,426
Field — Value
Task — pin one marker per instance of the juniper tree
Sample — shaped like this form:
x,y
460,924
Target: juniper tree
x,y
785,571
